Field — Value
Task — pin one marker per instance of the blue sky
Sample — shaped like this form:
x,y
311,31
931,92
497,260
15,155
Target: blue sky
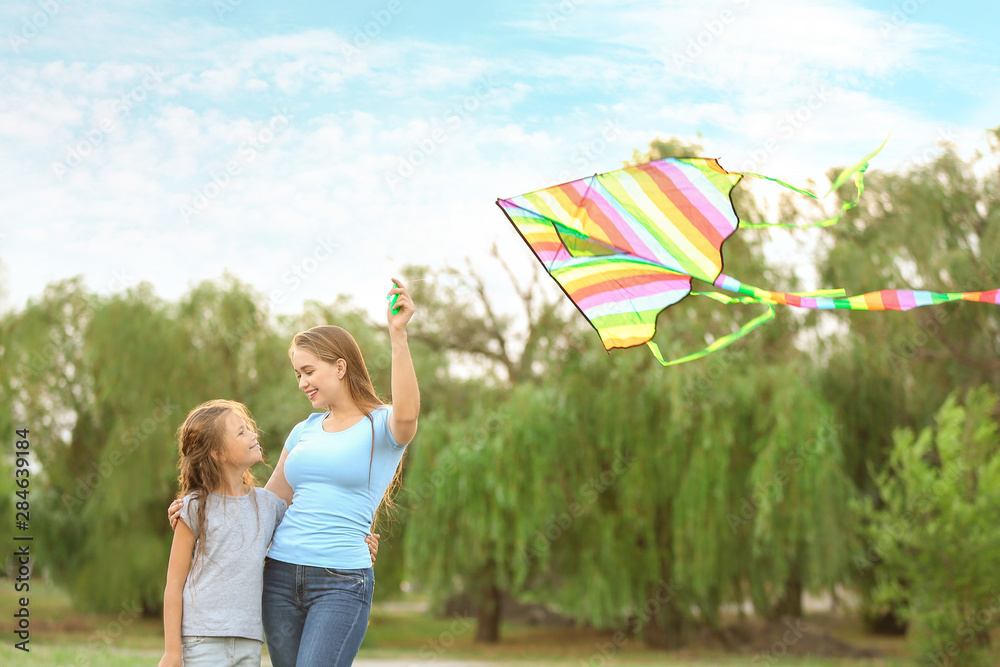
x,y
314,148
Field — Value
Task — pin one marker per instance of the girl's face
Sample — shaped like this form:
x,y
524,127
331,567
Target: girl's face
x,y
241,448
321,381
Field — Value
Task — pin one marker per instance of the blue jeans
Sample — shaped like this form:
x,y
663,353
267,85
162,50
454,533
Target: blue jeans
x,y
315,616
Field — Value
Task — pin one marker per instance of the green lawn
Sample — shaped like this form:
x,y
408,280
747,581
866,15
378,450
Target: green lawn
x,y
64,637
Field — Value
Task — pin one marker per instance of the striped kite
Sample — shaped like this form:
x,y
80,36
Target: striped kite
x,y
624,245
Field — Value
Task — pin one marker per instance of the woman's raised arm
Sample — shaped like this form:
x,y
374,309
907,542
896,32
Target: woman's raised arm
x,y
405,392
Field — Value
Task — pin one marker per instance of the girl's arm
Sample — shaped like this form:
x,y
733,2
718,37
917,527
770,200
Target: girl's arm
x,y
173,595
405,393
277,484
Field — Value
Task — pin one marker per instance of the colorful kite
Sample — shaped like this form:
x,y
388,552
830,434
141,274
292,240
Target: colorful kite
x,y
625,245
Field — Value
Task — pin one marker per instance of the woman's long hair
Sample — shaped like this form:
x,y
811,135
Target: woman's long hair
x,y
199,438
330,343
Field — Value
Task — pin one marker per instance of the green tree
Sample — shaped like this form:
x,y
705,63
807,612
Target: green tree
x,y
609,485
443,488
935,532
45,387
104,382
933,227
108,381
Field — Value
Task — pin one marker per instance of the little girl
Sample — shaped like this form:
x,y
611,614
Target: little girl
x,y
211,605
212,601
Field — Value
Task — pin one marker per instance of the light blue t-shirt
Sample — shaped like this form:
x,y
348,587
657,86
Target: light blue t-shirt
x,y
333,503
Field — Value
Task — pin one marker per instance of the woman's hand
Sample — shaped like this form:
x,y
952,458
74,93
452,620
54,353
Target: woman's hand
x,y
404,308
372,541
174,512
169,660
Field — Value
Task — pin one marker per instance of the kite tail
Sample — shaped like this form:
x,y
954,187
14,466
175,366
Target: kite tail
x,y
719,343
837,300
855,173
829,299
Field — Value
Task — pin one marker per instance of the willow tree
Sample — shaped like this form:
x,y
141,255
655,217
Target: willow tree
x,y
608,485
8,484
90,374
460,321
45,386
792,508
754,484
933,227
136,361
734,492
106,381
616,497
466,496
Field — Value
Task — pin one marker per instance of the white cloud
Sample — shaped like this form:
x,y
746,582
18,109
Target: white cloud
x,y
470,125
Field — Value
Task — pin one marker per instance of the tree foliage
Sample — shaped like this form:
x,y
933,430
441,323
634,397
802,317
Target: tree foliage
x,y
935,533
104,383
934,227
630,495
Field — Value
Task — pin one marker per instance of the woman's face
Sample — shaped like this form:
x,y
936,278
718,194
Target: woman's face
x,y
321,381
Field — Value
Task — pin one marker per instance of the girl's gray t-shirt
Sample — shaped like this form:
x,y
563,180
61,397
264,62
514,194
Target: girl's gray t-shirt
x,y
223,589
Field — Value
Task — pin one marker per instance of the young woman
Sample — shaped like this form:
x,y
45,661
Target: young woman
x,y
211,605
337,465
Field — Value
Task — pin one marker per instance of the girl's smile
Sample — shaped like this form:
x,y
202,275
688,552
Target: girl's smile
x,y
238,437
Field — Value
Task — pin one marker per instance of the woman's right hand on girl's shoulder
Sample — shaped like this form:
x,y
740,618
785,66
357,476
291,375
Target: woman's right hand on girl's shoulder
x,y
174,512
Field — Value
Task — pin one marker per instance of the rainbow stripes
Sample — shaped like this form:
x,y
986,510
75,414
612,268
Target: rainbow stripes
x,y
881,300
621,297
626,244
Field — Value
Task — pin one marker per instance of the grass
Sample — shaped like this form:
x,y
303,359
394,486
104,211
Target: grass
x,y
63,636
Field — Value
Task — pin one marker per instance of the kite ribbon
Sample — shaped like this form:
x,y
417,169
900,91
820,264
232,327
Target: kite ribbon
x,y
719,343
832,299
881,300
854,173
745,329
